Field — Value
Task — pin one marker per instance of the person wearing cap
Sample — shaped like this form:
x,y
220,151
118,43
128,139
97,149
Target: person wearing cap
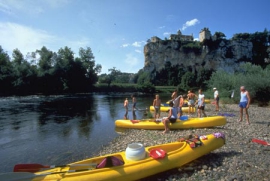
x,y
172,117
244,103
216,97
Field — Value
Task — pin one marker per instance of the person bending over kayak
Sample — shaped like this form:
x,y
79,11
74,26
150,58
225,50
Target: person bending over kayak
x,y
172,116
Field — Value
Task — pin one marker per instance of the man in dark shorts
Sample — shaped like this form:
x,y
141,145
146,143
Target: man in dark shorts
x,y
134,102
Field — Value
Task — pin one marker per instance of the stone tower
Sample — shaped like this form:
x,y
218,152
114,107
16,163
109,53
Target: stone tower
x,y
205,34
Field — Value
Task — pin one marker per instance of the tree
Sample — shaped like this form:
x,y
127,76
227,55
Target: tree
x,y
219,35
112,75
88,61
188,81
45,62
6,73
24,74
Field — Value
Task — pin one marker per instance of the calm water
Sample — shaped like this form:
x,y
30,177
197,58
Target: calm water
x,y
59,129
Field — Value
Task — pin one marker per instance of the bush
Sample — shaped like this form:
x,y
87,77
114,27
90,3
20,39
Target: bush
x,y
253,77
146,87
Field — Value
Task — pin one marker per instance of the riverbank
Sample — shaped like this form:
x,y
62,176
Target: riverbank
x,y
239,159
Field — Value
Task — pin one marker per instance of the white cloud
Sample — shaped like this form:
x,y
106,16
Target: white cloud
x,y
135,44
28,39
161,27
125,45
196,39
138,51
192,22
166,33
24,38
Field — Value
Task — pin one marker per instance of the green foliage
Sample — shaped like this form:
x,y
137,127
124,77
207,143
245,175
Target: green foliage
x,y
253,77
146,87
50,73
219,35
192,47
188,81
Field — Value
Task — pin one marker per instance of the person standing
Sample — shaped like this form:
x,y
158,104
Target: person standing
x,y
181,103
201,104
191,100
172,117
134,102
244,103
157,104
216,97
126,107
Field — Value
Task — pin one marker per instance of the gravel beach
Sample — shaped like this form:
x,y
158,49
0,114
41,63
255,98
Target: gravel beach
x,y
239,159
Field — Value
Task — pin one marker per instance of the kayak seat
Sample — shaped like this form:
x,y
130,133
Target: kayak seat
x,y
110,161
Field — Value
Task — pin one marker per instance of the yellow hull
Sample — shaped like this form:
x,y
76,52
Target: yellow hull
x,y
166,108
190,123
207,101
177,154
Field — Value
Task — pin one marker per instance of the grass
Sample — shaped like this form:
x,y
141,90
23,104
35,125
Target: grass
x,y
165,89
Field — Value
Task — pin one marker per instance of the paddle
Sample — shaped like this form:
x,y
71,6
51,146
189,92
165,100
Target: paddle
x,y
260,142
34,167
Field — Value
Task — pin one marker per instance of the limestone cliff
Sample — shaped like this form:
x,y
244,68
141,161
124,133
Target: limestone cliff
x,y
225,55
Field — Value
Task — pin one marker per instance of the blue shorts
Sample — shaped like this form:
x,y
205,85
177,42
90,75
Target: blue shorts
x,y
243,104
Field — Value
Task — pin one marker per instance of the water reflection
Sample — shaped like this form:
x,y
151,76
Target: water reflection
x,y
59,129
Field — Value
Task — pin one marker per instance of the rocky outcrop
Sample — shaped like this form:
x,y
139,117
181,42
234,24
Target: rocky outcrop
x,y
226,55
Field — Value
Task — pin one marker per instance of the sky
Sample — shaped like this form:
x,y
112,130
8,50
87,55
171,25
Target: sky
x,y
117,30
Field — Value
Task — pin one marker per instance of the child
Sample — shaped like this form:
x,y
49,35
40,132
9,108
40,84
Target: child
x,y
126,107
157,104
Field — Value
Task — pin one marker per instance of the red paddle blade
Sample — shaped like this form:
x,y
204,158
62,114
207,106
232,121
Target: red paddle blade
x,y
260,141
28,167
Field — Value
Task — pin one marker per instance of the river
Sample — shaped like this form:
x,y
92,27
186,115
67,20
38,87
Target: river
x,y
53,130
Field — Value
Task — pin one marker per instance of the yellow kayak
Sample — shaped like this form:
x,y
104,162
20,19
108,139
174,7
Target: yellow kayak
x,y
157,159
207,101
179,124
166,108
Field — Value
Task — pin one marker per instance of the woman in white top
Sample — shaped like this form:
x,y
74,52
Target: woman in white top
x,y
201,104
244,103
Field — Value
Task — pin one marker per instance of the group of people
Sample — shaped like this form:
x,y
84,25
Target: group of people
x,y
176,105
177,102
126,103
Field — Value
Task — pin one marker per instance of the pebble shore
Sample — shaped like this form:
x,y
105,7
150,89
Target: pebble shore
x,y
238,160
